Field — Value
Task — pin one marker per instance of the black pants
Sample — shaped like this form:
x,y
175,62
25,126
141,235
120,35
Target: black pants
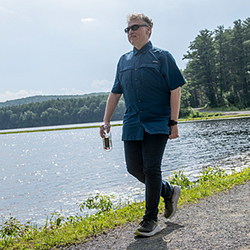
x,y
143,159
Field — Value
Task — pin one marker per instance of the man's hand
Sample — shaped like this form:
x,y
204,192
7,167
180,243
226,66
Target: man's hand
x,y
112,102
102,133
173,132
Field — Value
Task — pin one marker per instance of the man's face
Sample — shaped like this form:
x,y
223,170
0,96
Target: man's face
x,y
140,37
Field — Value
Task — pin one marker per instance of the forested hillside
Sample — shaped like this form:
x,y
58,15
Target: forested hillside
x,y
218,70
57,112
42,98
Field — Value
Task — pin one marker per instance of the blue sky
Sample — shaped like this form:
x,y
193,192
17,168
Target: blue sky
x,y
60,47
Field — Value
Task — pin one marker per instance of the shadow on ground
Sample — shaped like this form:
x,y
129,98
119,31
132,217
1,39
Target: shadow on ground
x,y
156,242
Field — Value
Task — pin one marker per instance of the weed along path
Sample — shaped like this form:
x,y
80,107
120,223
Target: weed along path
x,y
220,222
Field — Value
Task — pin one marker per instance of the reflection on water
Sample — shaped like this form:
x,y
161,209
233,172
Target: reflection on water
x,y
47,171
205,142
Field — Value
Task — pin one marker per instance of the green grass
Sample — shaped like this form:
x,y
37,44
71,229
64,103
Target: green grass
x,y
60,231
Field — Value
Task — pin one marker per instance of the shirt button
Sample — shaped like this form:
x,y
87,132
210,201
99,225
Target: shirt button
x,y
139,101
140,111
136,79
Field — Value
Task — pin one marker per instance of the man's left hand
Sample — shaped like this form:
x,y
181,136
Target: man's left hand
x,y
173,132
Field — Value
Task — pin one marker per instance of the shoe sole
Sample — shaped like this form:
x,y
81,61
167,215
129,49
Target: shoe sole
x,y
155,231
175,198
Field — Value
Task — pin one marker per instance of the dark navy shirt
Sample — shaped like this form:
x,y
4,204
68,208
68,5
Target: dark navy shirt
x,y
145,78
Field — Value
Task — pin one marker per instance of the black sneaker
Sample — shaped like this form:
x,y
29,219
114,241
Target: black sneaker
x,y
148,228
171,204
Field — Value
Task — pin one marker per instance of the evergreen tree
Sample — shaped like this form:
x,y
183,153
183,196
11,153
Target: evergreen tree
x,y
218,69
202,65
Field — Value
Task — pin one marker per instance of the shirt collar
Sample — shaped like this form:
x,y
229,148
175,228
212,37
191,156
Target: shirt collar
x,y
144,49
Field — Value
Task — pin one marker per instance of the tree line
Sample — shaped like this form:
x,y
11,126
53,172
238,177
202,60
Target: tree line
x,y
61,112
41,98
58,112
218,68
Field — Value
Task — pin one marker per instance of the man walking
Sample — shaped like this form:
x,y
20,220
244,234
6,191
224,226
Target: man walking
x,y
150,82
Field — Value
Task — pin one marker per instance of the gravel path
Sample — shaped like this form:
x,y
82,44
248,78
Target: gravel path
x,y
246,112
218,222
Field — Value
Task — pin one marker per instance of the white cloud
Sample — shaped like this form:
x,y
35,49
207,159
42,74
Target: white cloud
x,y
102,85
87,20
8,95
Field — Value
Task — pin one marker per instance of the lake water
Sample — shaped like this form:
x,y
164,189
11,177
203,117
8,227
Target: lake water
x,y
44,172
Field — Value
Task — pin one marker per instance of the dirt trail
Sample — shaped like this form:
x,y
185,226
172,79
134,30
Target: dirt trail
x,y
247,112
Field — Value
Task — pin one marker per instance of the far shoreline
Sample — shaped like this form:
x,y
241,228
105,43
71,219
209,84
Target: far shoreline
x,y
227,115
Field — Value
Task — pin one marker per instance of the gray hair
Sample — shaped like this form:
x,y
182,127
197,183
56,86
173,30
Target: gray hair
x,y
142,17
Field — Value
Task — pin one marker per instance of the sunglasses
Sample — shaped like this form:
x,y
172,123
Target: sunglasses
x,y
134,27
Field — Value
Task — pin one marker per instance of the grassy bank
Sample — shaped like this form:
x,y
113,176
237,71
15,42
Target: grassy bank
x,y
196,116
77,229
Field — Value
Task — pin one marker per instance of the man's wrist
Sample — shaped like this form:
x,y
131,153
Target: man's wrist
x,y
172,123
106,121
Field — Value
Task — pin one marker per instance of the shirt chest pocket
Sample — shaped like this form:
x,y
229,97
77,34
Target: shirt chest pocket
x,y
150,74
125,77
